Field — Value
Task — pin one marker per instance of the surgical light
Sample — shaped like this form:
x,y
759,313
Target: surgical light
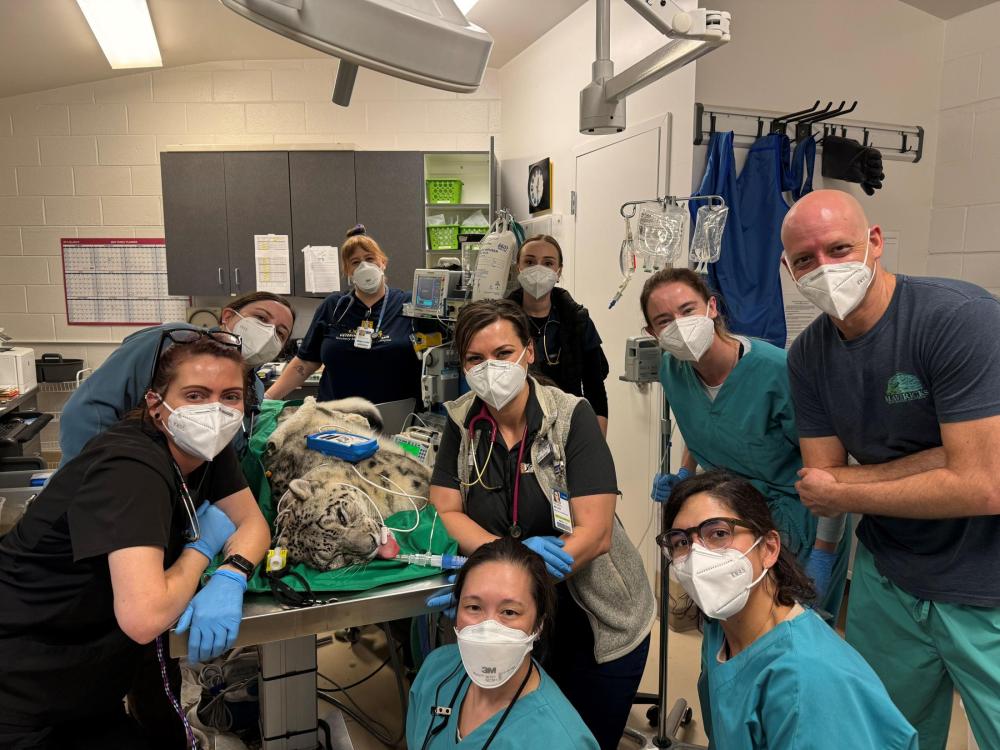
x,y
125,32
429,42
692,34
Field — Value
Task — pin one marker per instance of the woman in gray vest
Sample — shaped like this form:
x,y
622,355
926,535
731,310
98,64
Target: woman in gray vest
x,y
529,461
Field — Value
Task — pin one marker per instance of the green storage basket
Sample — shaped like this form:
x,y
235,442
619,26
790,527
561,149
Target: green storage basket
x,y
444,191
443,237
474,230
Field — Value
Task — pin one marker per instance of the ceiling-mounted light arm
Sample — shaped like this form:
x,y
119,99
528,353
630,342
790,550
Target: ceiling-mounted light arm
x,y
343,87
692,34
674,55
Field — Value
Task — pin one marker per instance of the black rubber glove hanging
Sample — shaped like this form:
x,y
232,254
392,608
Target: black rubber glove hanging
x,y
846,159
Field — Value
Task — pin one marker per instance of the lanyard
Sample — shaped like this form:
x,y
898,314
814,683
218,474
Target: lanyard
x,y
446,712
381,315
515,530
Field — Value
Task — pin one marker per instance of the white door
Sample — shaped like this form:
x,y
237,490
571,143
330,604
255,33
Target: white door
x,y
628,167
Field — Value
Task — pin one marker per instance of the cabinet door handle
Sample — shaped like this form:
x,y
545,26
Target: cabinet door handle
x,y
220,275
236,271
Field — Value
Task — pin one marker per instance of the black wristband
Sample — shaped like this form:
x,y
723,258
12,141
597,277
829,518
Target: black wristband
x,y
241,564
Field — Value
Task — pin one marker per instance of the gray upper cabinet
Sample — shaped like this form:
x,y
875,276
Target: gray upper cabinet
x,y
390,190
194,222
324,205
257,202
215,202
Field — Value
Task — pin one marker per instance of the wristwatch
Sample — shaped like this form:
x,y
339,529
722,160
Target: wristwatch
x,y
241,564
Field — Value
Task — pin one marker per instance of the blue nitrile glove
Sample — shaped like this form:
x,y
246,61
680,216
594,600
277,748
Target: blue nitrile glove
x,y
215,527
820,569
558,562
444,599
214,615
664,483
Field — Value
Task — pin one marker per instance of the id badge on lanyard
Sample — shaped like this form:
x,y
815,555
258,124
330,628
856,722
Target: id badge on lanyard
x,y
562,519
363,336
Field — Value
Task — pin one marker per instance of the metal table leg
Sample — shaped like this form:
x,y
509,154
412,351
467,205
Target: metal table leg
x,y
287,681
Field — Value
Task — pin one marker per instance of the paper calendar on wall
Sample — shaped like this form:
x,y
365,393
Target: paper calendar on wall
x,y
118,282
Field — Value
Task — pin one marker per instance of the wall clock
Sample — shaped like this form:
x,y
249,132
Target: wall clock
x,y
539,186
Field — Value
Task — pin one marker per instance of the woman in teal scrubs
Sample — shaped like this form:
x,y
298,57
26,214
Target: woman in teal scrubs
x,y
773,674
732,402
487,691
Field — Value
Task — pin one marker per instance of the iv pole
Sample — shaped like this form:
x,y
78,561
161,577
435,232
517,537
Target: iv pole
x,y
680,715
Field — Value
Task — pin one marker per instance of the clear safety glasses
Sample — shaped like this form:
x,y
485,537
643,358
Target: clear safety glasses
x,y
714,533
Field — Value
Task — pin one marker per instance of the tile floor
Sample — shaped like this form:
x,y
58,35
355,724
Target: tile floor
x,y
346,663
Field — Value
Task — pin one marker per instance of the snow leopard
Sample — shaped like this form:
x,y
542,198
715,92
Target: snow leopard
x,y
326,526
324,517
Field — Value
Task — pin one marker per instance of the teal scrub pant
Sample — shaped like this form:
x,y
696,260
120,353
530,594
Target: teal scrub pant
x,y
924,650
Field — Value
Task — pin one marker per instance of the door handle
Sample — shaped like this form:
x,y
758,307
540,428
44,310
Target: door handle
x,y
220,275
236,272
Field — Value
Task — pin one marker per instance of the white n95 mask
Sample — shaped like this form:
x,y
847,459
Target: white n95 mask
x,y
203,430
260,340
688,338
837,288
537,280
718,581
497,381
367,277
492,652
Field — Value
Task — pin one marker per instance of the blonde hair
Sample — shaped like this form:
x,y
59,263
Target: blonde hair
x,y
358,240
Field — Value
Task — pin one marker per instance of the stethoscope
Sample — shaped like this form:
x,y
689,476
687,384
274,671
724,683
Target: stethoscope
x,y
381,314
541,332
484,415
446,711
193,532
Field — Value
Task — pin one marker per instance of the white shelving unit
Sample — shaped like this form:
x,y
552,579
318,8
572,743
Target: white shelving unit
x,y
476,171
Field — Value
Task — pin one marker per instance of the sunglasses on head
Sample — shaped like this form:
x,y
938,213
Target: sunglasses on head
x,y
171,336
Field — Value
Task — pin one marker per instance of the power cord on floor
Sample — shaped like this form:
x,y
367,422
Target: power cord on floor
x,y
378,730
353,684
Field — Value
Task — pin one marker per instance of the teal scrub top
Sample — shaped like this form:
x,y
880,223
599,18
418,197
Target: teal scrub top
x,y
748,429
543,718
797,686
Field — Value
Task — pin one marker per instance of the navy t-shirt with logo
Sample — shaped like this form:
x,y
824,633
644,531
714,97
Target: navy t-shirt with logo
x,y
387,371
932,359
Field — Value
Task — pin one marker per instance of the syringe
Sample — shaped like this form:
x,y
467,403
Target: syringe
x,y
445,562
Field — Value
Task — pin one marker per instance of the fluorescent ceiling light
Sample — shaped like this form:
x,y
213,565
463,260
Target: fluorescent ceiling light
x,y
465,5
125,32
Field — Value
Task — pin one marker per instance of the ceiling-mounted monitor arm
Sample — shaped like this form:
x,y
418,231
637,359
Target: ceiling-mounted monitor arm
x,y
692,34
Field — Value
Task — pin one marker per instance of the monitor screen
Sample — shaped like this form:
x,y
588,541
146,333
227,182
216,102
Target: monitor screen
x,y
427,292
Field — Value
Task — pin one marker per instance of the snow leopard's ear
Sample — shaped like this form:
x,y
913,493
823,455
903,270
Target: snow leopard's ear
x,y
300,488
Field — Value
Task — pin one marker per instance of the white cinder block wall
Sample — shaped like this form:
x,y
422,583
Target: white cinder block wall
x,y
83,161
884,53
965,222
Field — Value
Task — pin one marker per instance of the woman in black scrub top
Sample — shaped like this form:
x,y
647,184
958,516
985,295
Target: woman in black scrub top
x,y
361,338
526,460
567,345
110,554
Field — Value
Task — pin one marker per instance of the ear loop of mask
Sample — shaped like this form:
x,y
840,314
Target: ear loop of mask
x,y
868,244
756,580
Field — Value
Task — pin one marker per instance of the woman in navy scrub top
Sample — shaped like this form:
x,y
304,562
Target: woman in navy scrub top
x,y
360,337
